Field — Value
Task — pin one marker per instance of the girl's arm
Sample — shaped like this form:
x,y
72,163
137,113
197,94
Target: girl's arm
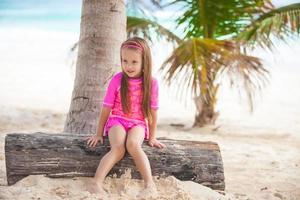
x,y
152,131
93,140
105,111
153,125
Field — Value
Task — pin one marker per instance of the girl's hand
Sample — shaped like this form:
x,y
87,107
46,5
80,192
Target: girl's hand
x,y
92,141
155,143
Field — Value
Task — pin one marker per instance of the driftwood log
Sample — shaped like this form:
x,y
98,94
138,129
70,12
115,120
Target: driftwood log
x,y
66,155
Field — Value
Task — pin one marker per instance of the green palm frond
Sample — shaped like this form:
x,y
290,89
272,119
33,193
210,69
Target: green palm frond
x,y
196,63
218,18
142,9
281,22
246,73
136,26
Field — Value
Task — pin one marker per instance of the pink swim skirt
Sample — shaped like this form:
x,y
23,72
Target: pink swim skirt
x,y
127,124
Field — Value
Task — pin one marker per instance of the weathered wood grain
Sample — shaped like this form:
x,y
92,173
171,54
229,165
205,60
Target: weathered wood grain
x,y
66,155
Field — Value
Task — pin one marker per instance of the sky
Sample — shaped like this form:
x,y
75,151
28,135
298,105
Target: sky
x,y
59,14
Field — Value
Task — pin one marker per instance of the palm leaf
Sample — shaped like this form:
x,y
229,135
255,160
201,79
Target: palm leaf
x,y
218,18
142,9
281,22
196,63
246,73
145,27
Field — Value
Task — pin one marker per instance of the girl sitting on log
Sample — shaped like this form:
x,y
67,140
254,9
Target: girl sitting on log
x,y
129,115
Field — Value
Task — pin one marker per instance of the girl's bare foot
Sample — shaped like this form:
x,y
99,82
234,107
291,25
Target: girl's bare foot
x,y
149,191
96,188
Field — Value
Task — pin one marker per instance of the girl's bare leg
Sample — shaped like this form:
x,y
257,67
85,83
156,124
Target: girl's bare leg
x,y
134,143
117,137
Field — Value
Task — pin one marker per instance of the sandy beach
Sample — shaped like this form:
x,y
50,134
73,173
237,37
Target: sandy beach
x,y
260,151
257,165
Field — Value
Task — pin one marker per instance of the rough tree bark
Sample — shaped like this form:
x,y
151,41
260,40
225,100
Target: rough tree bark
x,y
65,155
205,102
206,114
102,30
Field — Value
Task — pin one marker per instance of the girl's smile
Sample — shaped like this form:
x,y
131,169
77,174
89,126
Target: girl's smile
x,y
131,62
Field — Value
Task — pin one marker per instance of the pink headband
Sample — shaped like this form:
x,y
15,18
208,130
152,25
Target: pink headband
x,y
133,44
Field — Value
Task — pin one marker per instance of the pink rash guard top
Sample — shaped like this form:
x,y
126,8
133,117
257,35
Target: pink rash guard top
x,y
112,98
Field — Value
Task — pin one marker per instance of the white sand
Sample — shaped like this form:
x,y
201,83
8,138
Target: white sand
x,y
260,152
40,187
257,165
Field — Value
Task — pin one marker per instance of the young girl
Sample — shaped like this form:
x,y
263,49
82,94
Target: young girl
x,y
128,114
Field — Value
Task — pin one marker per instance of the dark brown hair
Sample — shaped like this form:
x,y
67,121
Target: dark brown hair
x,y
146,79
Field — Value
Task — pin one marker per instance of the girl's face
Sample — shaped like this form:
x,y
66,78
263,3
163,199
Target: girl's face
x,y
131,62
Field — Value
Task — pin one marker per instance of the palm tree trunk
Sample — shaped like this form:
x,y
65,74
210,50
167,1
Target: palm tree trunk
x,y
206,114
205,102
102,29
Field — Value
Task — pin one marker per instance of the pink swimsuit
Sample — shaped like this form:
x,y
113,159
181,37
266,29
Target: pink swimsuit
x,y
112,99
